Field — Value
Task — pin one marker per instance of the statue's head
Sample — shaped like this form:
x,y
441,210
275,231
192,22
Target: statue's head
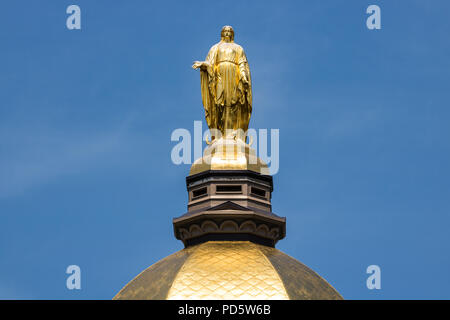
x,y
227,34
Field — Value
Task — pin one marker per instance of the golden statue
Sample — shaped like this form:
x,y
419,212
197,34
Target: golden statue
x,y
226,86
227,98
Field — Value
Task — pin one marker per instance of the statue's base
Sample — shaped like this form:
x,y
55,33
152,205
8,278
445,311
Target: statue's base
x,y
229,153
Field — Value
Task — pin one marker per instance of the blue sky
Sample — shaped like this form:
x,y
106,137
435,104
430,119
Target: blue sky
x,y
86,117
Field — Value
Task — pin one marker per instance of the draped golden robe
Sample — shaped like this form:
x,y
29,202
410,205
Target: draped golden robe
x,y
227,101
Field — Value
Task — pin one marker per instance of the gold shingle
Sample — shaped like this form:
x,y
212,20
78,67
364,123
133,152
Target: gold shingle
x,y
228,270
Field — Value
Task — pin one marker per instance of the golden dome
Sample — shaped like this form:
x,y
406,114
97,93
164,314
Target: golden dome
x,y
228,270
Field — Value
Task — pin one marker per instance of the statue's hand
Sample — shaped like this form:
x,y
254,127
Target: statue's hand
x,y
199,64
196,65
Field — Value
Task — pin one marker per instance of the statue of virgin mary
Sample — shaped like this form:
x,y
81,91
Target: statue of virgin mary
x,y
226,85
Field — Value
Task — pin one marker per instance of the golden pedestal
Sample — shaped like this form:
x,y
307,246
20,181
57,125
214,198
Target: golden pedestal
x,y
229,153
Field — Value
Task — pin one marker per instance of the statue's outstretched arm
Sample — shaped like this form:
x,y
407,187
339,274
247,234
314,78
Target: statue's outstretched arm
x,y
203,65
